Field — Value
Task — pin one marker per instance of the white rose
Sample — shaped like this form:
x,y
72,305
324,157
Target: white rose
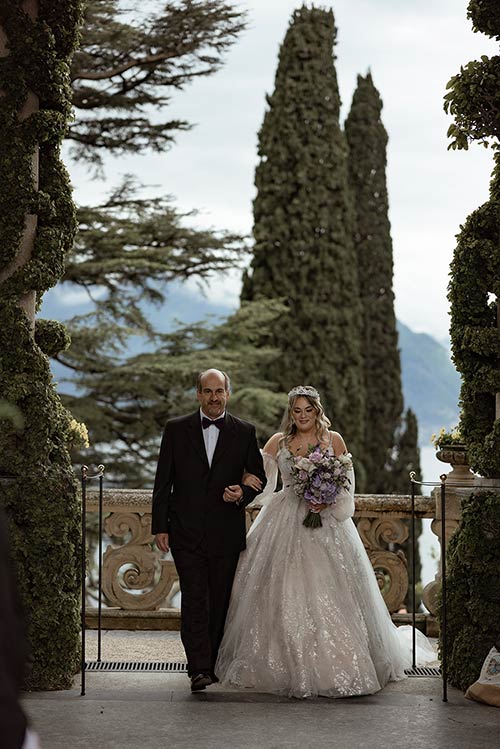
x,y
304,464
345,460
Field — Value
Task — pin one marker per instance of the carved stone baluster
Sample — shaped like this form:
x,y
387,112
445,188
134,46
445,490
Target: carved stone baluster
x,y
135,565
390,567
453,514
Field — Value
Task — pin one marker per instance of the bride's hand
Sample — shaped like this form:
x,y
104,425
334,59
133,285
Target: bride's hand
x,y
317,508
253,481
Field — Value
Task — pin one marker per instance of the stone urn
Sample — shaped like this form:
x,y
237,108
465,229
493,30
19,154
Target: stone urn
x,y
456,455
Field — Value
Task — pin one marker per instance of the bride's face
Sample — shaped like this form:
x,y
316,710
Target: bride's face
x,y
303,415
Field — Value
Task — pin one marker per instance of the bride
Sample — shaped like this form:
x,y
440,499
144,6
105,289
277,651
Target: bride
x,y
306,615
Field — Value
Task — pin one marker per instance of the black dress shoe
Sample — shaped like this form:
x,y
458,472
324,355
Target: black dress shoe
x,y
200,681
215,679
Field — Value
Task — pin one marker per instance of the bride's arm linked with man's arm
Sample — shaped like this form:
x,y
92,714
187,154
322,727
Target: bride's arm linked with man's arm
x,y
344,506
271,471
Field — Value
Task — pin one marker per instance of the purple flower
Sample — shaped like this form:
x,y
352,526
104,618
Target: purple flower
x,y
319,477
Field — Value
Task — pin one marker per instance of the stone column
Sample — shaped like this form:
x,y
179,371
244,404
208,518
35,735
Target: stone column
x,y
453,513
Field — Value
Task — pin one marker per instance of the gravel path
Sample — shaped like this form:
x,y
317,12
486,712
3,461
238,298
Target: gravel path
x,y
119,645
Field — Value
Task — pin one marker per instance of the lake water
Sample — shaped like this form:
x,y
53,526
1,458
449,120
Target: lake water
x,y
429,548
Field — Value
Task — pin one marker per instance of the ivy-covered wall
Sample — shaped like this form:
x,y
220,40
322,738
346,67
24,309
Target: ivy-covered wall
x,y
475,275
473,99
473,599
37,486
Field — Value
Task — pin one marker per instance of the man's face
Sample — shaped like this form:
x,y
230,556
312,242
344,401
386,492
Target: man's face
x,y
213,395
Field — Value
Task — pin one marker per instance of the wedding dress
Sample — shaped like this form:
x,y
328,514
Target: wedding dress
x,y
306,615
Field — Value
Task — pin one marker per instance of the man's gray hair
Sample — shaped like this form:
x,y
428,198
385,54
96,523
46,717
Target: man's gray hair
x,y
227,381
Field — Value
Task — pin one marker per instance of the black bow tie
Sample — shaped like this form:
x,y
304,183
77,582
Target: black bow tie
x,y
219,423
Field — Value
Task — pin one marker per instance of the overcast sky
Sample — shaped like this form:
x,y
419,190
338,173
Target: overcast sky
x,y
412,48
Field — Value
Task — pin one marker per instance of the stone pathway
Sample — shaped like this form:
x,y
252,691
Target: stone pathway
x,y
152,711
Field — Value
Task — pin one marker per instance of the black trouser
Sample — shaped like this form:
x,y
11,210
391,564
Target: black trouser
x,y
206,583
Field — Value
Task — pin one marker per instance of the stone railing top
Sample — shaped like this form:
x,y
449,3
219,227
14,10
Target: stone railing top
x,y
394,504
139,500
136,500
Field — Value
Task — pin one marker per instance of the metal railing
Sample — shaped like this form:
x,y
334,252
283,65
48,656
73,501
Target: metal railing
x,y
84,478
380,522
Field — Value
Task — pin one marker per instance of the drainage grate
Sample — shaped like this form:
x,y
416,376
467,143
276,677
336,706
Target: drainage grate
x,y
158,666
181,668
423,671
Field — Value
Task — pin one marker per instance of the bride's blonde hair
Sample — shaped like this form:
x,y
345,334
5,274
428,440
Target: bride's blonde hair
x,y
322,422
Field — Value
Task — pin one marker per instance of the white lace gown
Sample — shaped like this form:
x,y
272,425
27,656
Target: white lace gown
x,y
306,615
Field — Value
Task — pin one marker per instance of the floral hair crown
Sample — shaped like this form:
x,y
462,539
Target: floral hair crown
x,y
304,390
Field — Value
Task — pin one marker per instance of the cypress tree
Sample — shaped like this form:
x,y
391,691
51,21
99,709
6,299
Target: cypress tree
x,y
406,455
405,458
367,141
303,251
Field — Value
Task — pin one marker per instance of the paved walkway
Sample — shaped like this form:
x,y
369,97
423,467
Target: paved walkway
x,y
143,710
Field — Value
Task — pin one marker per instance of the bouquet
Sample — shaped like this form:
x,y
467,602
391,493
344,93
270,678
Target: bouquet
x,y
318,477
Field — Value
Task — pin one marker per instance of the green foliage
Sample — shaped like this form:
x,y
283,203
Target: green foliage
x,y
474,101
38,489
303,251
478,82
485,16
127,400
475,272
130,247
405,456
34,63
51,336
129,65
473,598
473,96
41,502
367,140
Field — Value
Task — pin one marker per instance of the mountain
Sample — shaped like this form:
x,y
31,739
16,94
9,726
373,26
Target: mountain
x,y
430,382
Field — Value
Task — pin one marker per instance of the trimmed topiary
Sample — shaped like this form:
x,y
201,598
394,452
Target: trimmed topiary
x,y
37,485
473,592
473,99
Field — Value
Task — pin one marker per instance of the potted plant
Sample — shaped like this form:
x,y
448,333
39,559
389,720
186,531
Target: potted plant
x,y
451,448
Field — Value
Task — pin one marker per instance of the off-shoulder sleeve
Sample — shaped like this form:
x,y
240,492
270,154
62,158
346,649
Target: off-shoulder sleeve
x,y
271,469
263,499
344,506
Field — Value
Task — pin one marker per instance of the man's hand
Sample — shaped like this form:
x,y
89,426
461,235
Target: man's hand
x,y
162,541
253,481
232,493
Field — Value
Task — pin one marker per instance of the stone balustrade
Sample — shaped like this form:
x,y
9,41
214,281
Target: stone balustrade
x,y
139,583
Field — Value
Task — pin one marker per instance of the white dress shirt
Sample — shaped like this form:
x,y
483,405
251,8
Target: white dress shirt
x,y
210,435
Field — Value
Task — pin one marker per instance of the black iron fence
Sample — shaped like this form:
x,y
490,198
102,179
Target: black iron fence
x,y
99,665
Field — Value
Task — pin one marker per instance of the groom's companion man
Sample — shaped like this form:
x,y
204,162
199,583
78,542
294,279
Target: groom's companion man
x,y
199,513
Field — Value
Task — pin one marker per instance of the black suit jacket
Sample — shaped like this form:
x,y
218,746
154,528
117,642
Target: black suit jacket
x,y
187,495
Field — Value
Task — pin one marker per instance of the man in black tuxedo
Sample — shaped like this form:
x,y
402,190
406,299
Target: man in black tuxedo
x,y
199,513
